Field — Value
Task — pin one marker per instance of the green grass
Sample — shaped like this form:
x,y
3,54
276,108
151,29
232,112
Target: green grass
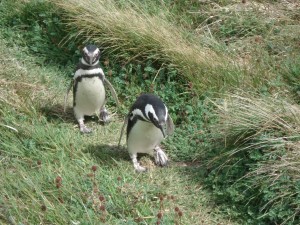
x,y
229,73
149,36
39,143
259,139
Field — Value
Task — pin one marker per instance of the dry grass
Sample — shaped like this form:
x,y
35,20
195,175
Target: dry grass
x,y
244,115
261,144
132,33
246,121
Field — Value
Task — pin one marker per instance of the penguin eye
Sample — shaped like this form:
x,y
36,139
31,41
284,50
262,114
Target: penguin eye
x,y
150,116
96,56
131,116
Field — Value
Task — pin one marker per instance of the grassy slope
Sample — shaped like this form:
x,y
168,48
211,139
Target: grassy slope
x,y
34,130
30,101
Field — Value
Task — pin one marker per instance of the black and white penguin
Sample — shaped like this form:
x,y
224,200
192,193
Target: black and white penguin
x,y
88,88
148,123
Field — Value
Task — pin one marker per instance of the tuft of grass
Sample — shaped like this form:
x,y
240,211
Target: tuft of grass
x,y
130,32
291,75
255,164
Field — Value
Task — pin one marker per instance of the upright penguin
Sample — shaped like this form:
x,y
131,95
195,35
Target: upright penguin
x,y
148,123
88,88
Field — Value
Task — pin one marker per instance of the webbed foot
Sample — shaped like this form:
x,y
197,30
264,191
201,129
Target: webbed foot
x,y
160,156
137,166
104,115
82,127
85,130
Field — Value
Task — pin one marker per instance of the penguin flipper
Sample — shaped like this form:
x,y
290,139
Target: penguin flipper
x,y
122,129
66,95
170,126
112,90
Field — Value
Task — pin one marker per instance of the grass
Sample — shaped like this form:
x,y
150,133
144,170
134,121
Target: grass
x,y
39,143
218,53
229,73
152,36
260,157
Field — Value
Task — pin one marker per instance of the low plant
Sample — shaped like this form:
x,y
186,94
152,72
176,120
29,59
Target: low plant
x,y
40,30
255,164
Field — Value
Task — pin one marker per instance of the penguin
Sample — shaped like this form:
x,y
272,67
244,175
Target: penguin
x,y
88,88
148,123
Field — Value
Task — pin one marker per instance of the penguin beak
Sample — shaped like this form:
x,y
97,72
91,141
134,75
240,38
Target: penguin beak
x,y
163,131
91,60
161,127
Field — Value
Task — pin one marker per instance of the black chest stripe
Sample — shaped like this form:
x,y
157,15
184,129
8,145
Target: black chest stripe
x,y
130,125
79,78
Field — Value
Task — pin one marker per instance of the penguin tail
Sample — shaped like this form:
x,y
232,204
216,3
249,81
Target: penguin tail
x,y
66,95
122,130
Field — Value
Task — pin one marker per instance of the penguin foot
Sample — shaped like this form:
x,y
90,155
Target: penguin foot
x,y
160,156
140,169
85,130
82,127
137,166
104,116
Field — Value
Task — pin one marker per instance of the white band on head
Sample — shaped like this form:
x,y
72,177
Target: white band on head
x,y
96,52
149,108
138,112
166,116
91,53
85,50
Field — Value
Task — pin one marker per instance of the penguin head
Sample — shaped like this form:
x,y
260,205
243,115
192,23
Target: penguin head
x,y
150,108
157,115
90,55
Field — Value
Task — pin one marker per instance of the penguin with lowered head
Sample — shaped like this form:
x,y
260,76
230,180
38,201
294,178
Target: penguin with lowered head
x,y
148,123
88,88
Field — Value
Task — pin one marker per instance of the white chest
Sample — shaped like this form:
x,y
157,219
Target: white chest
x,y
143,137
90,95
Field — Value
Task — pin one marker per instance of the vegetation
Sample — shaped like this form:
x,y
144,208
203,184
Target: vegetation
x,y
51,174
261,156
229,72
146,35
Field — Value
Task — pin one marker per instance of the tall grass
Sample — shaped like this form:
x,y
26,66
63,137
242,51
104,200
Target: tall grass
x,y
258,165
129,31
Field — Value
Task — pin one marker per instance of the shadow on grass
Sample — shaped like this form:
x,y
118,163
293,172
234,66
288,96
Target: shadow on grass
x,y
111,154
195,171
57,113
108,154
